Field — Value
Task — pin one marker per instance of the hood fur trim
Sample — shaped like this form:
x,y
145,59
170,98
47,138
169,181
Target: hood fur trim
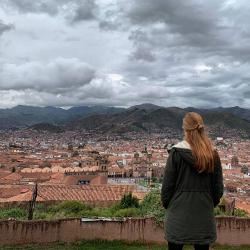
x,y
182,144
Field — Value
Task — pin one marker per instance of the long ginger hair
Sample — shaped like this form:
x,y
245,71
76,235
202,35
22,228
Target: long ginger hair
x,y
201,145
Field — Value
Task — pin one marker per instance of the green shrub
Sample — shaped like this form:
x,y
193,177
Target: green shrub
x,y
154,179
69,207
219,212
64,209
128,200
127,212
40,207
240,213
237,212
104,212
116,206
43,216
17,213
151,205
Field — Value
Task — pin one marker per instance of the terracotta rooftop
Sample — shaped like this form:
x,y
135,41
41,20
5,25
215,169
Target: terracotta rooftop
x,y
243,205
7,191
4,173
13,176
88,193
83,193
21,197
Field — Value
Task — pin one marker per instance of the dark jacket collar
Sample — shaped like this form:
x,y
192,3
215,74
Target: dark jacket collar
x,y
184,149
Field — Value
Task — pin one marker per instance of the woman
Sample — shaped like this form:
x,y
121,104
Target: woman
x,y
192,186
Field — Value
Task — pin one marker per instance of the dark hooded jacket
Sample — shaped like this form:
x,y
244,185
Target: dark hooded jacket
x,y
190,198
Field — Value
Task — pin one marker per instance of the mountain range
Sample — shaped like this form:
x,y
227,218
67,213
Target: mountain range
x,y
143,118
24,116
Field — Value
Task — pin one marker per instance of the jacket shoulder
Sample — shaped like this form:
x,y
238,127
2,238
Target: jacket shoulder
x,y
216,156
174,155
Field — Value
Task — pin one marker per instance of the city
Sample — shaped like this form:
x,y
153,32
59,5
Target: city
x,y
62,161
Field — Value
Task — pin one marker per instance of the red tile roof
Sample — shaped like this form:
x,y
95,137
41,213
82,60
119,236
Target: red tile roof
x,y
88,193
83,193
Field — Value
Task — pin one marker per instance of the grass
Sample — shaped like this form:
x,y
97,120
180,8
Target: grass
x,y
108,245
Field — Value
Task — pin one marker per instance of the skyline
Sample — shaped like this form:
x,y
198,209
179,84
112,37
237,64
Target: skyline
x,y
71,53
121,107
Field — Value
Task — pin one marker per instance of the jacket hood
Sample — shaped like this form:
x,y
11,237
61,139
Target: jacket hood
x,y
184,149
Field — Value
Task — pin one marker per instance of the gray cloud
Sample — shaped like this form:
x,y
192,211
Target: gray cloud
x,y
143,54
172,53
85,11
61,75
5,27
185,16
211,28
27,6
73,10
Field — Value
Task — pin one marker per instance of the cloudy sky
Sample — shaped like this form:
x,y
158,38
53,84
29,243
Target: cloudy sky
x,y
120,53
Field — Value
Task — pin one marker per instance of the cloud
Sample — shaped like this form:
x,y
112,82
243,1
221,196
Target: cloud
x,y
58,76
214,28
73,10
142,54
5,27
38,6
85,11
172,53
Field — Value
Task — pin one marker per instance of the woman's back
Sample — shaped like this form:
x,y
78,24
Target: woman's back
x,y
192,186
189,198
188,177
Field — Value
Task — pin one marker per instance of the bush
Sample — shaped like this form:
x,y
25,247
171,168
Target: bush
x,y
74,209
127,212
240,213
237,212
67,209
151,205
219,212
154,179
43,216
102,212
17,213
128,201
116,206
71,207
40,207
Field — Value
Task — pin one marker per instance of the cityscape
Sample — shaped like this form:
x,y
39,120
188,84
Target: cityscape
x,y
134,162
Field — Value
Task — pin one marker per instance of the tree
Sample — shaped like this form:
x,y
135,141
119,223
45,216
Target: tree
x,y
32,203
75,153
235,161
151,205
128,200
70,147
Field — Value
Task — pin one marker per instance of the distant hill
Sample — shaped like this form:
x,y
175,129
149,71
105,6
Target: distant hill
x,y
146,106
25,116
46,127
237,111
145,117
160,120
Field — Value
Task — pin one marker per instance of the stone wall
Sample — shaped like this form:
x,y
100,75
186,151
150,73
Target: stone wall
x,y
231,231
